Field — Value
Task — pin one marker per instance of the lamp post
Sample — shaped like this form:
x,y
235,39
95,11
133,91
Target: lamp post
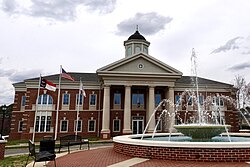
x,y
4,108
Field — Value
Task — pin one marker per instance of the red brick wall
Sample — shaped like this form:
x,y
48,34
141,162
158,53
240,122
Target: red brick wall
x,y
185,154
2,150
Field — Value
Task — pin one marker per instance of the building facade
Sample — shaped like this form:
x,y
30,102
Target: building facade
x,y
120,98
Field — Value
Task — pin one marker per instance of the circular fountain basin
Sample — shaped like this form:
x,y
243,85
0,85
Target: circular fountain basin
x,y
201,131
132,145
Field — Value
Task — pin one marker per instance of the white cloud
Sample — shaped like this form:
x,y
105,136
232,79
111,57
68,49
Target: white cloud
x,y
149,23
230,45
60,10
240,66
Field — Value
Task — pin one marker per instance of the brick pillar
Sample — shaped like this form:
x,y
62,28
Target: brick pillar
x,y
2,149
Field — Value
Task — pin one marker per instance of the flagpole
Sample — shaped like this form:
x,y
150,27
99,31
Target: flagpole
x,y
58,102
78,105
38,92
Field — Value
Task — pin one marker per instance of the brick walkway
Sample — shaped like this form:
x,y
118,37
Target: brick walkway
x,y
103,157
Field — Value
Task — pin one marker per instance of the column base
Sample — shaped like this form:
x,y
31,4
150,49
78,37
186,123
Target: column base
x,y
127,131
105,134
150,131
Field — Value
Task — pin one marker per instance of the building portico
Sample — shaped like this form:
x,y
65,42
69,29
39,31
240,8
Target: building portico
x,y
132,112
137,70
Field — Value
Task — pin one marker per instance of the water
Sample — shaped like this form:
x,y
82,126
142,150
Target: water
x,y
189,139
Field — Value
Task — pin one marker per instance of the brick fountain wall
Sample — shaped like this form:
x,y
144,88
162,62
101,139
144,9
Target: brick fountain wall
x,y
185,154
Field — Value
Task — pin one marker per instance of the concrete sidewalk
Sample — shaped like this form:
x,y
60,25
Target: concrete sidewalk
x,y
42,164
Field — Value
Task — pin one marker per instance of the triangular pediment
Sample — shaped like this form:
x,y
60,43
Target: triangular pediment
x,y
139,64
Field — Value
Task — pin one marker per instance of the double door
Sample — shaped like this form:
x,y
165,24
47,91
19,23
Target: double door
x,y
137,124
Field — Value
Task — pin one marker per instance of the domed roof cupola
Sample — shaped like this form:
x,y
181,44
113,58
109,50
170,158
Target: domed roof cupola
x,y
136,35
135,44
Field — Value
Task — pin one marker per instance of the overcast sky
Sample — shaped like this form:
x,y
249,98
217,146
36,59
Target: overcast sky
x,y
37,36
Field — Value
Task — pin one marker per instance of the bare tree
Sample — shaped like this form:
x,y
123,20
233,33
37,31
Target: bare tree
x,y
243,99
243,92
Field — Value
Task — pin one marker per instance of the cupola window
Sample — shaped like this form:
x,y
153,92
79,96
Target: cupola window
x,y
137,49
129,51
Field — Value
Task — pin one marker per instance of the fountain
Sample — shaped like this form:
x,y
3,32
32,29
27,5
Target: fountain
x,y
198,139
200,130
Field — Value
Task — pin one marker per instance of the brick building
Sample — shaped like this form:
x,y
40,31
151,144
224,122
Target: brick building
x,y
120,98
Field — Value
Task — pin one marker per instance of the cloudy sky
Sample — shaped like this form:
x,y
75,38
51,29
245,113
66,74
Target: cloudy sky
x,y
37,36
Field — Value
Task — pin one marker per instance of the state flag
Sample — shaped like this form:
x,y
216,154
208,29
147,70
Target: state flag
x,y
82,89
47,85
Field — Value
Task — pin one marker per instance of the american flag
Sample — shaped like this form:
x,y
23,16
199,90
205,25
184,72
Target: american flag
x,y
66,75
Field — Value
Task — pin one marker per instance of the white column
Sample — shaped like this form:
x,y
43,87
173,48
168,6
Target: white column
x,y
151,108
127,111
105,132
171,117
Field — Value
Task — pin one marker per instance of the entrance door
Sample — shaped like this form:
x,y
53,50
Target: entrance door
x,y
137,125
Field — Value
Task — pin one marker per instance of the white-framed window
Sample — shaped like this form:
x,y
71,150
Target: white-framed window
x,y
129,51
218,101
79,126
81,99
137,49
43,122
92,101
66,99
91,125
64,126
138,99
159,127
116,125
23,101
145,49
117,98
45,99
20,126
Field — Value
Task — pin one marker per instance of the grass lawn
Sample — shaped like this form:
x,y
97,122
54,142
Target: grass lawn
x,y
15,161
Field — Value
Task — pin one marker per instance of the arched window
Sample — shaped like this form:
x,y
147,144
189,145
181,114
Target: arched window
x,y
137,49
145,50
129,51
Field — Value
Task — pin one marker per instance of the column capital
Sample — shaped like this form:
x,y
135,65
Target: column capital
x,y
106,85
170,88
151,86
128,85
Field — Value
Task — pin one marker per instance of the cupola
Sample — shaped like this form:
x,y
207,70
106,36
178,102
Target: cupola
x,y
135,44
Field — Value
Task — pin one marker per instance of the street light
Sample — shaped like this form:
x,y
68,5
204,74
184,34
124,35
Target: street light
x,y
4,108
